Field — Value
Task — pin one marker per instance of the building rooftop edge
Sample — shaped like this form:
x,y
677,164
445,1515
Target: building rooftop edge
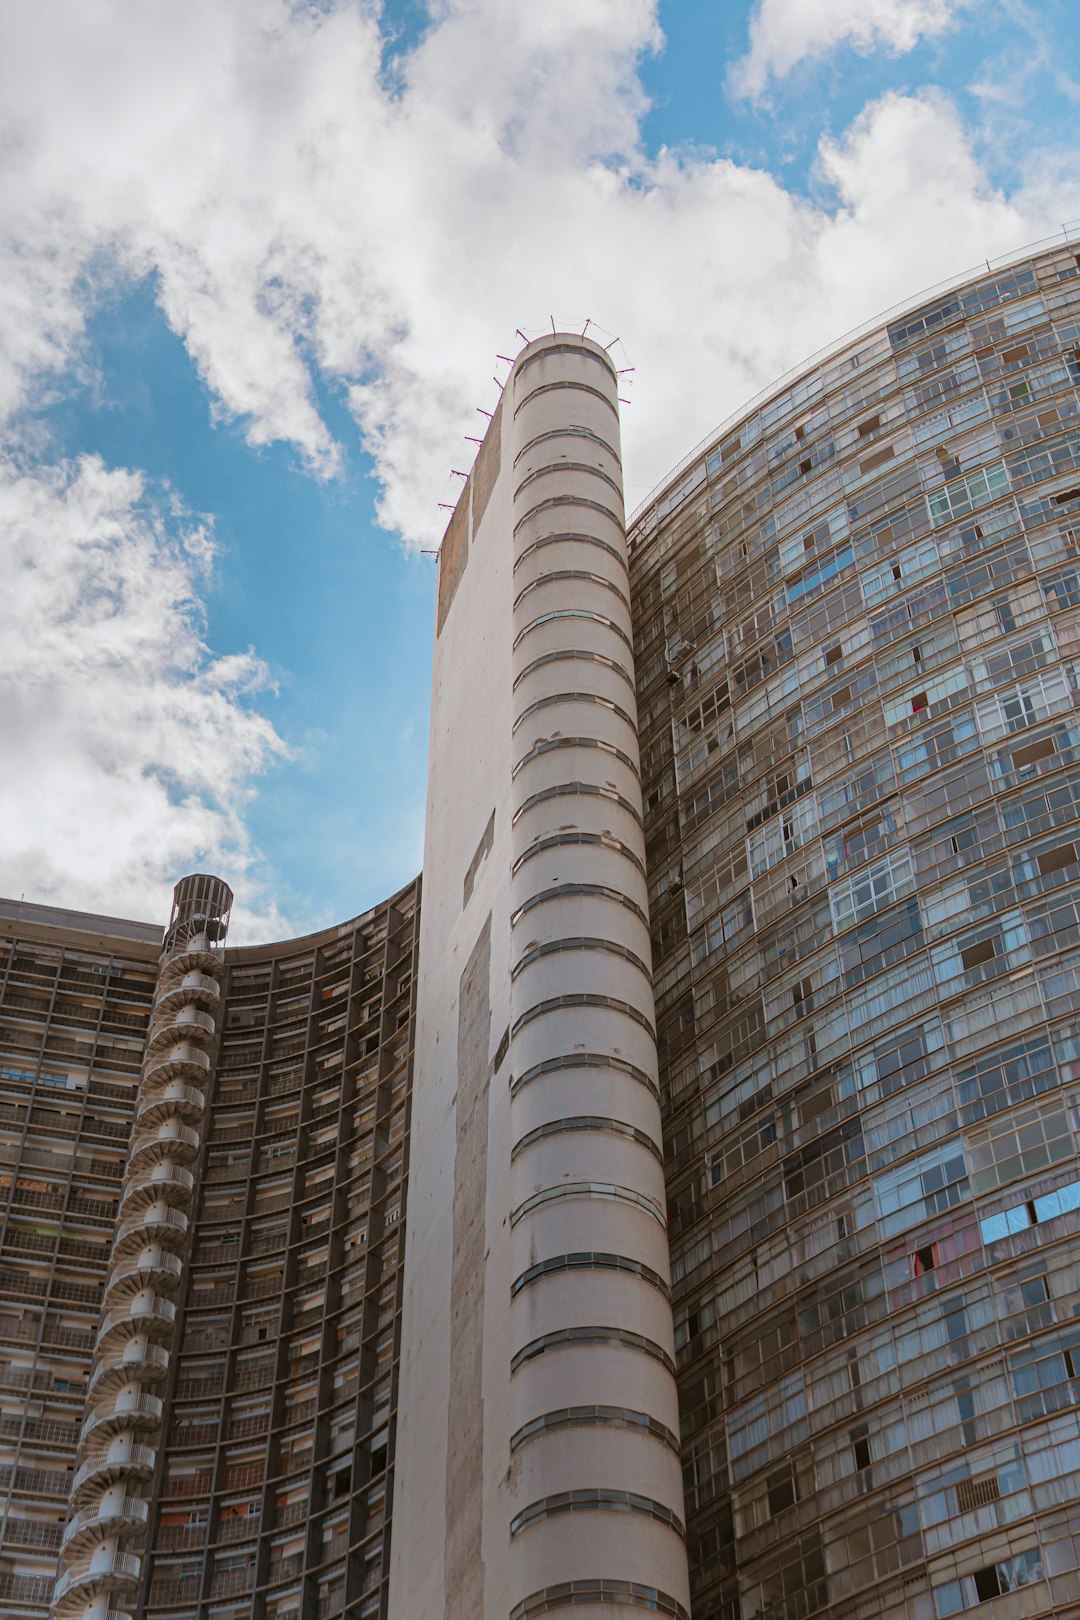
x,y
1070,232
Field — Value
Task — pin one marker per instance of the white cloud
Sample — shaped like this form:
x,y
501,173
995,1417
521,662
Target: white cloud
x,y
127,748
784,33
304,217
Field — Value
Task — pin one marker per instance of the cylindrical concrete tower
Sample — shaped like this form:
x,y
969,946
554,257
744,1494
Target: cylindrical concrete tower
x,y
596,1484
100,1560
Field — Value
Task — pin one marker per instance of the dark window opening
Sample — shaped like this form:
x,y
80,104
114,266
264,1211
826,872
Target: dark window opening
x,y
871,425
1033,752
833,655
988,1583
1056,860
861,1448
924,1259
984,951
919,702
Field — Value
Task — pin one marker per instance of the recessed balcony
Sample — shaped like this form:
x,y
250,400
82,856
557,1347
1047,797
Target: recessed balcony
x,y
101,1520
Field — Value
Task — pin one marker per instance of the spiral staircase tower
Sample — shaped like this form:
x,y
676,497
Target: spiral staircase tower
x,y
104,1540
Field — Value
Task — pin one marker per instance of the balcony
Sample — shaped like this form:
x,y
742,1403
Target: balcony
x,y
176,1100
196,956
138,1360
110,1466
190,990
155,1226
180,1062
175,1026
104,1519
125,1412
106,1570
150,1316
171,1141
166,1182
155,1268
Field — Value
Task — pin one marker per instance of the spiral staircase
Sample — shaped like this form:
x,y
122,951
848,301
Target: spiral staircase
x,y
103,1545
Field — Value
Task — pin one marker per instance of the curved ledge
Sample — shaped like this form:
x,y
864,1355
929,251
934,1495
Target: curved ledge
x,y
571,537
576,790
581,942
558,615
559,574
568,891
567,500
586,655
580,1417
579,387
584,1060
598,1591
587,1122
606,1190
557,840
563,467
579,350
553,700
588,1260
582,998
568,1338
594,1499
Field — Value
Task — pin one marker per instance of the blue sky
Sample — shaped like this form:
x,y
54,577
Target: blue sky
x,y
259,265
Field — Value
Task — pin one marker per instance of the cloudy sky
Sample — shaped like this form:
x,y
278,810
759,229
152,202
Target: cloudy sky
x,y
257,261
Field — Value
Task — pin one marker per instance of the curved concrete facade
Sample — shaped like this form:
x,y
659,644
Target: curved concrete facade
x,y
857,614
539,1428
592,1392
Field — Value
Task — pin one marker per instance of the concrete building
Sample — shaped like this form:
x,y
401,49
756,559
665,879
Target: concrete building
x,y
681,1213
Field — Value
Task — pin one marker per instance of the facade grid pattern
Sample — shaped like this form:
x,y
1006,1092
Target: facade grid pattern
x,y
857,627
74,1012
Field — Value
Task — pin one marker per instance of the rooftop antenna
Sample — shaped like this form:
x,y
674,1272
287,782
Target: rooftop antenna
x,y
610,345
498,385
505,357
424,553
473,440
551,318
585,328
482,411
519,333
447,506
458,474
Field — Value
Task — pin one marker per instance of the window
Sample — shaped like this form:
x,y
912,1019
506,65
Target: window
x,y
861,1448
1056,860
924,1260
974,954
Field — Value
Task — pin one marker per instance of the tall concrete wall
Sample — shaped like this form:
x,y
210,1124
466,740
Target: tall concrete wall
x,y
537,1462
